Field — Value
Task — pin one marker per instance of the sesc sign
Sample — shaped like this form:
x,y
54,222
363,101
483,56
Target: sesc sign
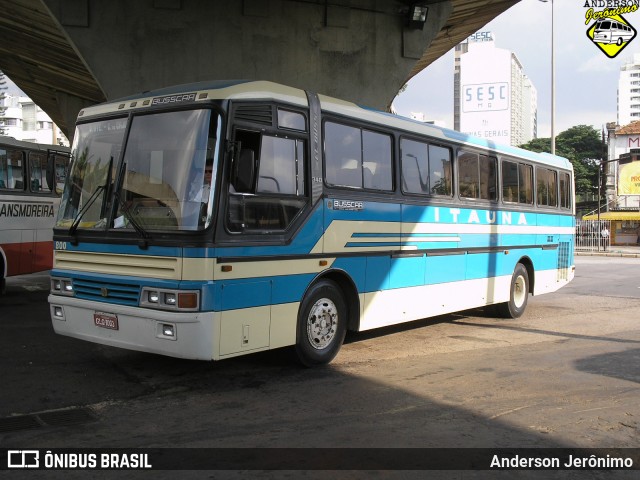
x,y
485,97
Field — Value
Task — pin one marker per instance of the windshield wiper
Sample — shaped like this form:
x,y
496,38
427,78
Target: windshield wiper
x,y
92,199
144,235
83,210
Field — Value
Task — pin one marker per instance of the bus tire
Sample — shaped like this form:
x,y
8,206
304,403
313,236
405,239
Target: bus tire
x,y
518,294
322,324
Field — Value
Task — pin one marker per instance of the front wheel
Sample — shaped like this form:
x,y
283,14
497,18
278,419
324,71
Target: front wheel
x,y
322,324
518,294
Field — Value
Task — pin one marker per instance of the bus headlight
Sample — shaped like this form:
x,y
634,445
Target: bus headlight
x,y
62,286
170,299
165,299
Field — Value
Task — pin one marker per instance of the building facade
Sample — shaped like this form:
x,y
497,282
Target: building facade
x,y
24,120
622,184
629,92
493,98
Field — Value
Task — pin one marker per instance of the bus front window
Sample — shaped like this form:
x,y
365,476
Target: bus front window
x,y
95,151
164,180
165,185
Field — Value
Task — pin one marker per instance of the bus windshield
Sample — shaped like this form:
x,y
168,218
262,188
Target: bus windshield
x,y
162,181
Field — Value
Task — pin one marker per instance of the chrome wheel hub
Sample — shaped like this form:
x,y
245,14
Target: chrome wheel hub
x,y
322,323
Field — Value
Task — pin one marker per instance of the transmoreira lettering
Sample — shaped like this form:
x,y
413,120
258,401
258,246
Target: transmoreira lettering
x,y
26,210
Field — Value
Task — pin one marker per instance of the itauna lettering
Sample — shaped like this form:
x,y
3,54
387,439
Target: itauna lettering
x,y
482,217
26,210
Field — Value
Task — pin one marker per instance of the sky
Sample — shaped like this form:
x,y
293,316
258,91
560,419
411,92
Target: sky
x,y
586,79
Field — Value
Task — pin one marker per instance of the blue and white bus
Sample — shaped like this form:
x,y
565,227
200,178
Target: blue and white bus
x,y
212,220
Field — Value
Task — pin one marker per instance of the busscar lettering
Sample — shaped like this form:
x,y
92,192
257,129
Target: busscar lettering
x,y
26,210
347,205
186,97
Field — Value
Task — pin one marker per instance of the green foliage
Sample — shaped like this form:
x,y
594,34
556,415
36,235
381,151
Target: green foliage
x,y
582,145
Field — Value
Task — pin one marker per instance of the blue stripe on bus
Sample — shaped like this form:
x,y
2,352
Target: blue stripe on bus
x,y
311,232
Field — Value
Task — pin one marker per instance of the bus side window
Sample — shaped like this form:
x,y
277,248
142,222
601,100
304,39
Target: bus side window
x,y
468,178
565,190
343,155
11,169
3,169
357,158
547,187
61,167
267,183
38,173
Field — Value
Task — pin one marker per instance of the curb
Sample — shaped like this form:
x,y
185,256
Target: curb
x,y
608,254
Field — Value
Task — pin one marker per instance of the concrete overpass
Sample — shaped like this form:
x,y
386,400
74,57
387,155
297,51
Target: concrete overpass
x,y
68,54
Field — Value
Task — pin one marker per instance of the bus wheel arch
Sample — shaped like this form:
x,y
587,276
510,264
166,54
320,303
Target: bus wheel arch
x,y
324,316
520,287
528,264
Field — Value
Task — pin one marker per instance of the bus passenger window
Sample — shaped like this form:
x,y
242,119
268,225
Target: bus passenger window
x,y
376,152
525,176
547,187
468,178
517,182
439,170
11,174
426,169
343,152
477,176
510,189
38,173
565,190
61,168
357,158
415,166
488,178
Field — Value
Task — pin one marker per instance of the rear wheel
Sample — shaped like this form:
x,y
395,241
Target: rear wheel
x,y
518,294
322,324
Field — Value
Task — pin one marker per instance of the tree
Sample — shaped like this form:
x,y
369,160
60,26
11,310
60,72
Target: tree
x,y
583,146
3,87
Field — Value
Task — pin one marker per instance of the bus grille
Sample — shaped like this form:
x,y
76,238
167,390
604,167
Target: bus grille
x,y
112,292
564,253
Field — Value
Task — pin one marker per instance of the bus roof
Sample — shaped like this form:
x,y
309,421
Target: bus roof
x,y
5,140
258,89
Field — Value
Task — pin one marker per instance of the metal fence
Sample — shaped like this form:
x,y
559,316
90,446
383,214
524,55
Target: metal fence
x,y
593,235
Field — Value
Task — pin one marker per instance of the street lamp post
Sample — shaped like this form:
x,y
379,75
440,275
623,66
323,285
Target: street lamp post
x,y
553,84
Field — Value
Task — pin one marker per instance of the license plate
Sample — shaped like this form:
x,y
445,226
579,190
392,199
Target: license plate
x,y
106,320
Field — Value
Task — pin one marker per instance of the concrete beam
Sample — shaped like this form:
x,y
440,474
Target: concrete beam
x,y
359,50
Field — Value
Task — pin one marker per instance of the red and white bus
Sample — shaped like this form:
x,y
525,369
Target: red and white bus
x,y
32,176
